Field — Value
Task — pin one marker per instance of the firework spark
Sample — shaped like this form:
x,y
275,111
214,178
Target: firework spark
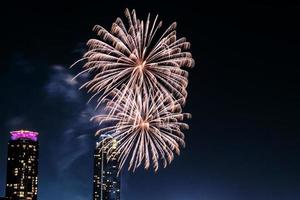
x,y
134,55
148,132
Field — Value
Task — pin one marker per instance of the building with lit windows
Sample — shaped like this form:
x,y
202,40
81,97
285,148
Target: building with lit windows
x,y
106,179
22,166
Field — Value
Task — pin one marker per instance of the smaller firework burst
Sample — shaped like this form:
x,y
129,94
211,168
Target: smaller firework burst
x,y
147,132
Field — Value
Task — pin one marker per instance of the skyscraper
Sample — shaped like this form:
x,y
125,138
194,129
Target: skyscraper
x,y
106,178
22,166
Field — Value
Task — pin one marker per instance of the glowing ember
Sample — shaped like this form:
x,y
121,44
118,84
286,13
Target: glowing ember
x,y
144,125
23,134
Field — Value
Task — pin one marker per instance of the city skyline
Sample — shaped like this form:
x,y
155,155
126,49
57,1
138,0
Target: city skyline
x,y
243,141
22,169
106,179
22,165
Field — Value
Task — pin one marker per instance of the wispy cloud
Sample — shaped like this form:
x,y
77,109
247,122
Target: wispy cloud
x,y
76,138
62,85
75,142
15,122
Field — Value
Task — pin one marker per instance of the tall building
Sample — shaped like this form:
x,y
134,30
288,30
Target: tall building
x,y
22,166
106,178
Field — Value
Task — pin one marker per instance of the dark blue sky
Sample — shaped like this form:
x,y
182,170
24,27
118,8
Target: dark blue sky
x,y
244,140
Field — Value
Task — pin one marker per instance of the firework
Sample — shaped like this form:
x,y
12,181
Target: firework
x,y
147,133
134,55
139,75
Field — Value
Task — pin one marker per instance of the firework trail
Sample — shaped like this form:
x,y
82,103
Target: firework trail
x,y
146,133
136,56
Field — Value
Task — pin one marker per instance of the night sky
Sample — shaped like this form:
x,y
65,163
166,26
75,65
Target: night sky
x,y
244,137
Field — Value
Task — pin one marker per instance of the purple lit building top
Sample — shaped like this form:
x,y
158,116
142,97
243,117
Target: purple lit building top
x,y
23,134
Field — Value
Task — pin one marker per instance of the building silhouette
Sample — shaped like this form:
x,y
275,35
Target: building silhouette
x,y
22,166
106,179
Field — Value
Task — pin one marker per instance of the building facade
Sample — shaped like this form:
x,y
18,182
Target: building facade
x,y
22,166
106,178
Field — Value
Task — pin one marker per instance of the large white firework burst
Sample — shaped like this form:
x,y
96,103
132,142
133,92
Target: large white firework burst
x,y
147,133
133,55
